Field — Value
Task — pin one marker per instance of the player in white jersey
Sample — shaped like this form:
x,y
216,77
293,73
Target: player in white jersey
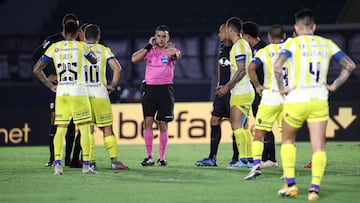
x,y
242,92
270,108
72,100
306,97
99,94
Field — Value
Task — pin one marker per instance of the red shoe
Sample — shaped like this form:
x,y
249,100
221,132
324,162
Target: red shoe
x,y
118,166
308,165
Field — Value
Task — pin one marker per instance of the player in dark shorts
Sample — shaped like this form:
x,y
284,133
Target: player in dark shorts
x,y
221,104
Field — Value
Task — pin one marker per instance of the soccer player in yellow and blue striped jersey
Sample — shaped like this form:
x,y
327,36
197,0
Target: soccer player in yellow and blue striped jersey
x,y
72,100
99,93
306,97
271,105
242,92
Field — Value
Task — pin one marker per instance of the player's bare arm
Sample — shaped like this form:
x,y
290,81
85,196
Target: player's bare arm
x,y
279,63
117,70
239,74
254,79
139,55
38,71
348,67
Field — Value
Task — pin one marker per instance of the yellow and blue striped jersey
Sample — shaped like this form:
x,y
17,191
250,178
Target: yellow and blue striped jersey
x,y
69,57
95,74
310,57
266,57
240,51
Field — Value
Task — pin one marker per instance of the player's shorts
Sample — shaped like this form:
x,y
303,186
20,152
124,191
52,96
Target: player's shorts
x,y
159,100
295,114
243,102
267,115
76,107
221,106
102,112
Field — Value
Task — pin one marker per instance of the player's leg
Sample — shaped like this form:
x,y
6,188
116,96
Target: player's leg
x,y
317,123
149,109
110,144
215,136
52,132
165,103
69,138
76,160
236,117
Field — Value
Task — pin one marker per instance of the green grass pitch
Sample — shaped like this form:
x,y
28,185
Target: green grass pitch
x,y
23,177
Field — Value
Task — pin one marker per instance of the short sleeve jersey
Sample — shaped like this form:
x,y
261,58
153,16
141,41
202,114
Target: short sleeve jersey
x,y
69,59
265,58
160,67
240,51
95,74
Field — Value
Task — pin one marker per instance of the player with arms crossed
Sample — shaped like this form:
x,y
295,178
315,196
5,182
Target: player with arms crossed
x,y
72,100
271,104
306,97
95,75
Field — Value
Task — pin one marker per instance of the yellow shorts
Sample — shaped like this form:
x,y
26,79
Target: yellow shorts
x,y
267,115
76,107
295,114
243,102
102,112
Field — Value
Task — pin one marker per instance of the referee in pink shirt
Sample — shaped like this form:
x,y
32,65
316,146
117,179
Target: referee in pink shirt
x,y
160,57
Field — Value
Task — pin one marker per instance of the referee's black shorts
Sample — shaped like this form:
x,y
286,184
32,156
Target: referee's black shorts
x,y
159,100
221,106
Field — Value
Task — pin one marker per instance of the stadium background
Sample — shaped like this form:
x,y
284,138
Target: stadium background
x,y
127,25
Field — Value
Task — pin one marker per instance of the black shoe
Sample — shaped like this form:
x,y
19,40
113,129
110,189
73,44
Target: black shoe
x,y
161,162
67,162
50,164
148,161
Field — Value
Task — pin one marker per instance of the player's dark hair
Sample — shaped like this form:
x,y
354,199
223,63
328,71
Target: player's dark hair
x,y
162,28
236,23
305,16
276,31
92,31
71,27
251,28
69,17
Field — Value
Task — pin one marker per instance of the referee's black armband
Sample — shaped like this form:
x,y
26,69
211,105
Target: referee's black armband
x,y
148,47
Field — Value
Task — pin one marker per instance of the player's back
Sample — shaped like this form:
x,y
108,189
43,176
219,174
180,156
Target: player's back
x,y
95,74
69,58
310,59
267,56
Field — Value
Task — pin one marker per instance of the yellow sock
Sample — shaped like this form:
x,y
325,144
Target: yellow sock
x,y
111,146
92,148
288,157
257,150
59,142
318,167
240,142
248,144
85,141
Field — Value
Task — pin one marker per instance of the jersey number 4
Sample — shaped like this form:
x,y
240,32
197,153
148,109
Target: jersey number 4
x,y
315,71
